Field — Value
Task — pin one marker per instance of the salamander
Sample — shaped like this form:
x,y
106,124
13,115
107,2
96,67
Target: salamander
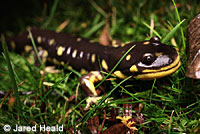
x,y
149,59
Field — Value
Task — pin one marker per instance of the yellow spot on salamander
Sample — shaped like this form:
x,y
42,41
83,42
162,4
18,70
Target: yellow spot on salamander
x,y
133,69
55,61
93,58
39,39
60,50
78,39
74,53
50,69
104,64
62,63
114,43
158,54
91,41
45,54
128,57
28,48
12,43
123,44
97,74
120,75
146,43
51,42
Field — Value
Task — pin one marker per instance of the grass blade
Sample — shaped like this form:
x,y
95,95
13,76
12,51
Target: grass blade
x,y
171,33
182,34
53,9
94,29
35,49
11,72
154,31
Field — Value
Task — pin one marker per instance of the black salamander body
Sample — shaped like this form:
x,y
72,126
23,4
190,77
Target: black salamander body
x,y
147,60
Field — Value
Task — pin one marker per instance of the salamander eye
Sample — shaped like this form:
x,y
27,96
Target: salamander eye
x,y
148,58
155,39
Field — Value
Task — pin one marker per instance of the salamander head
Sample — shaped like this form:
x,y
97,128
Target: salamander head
x,y
150,59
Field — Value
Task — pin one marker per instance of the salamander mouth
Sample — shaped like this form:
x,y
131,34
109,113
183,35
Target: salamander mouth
x,y
162,72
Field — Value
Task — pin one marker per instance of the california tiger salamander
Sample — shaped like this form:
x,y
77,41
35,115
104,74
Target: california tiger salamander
x,y
148,59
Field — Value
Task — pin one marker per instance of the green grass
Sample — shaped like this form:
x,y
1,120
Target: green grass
x,y
170,104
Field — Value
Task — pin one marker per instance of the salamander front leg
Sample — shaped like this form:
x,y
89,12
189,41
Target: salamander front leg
x,y
87,82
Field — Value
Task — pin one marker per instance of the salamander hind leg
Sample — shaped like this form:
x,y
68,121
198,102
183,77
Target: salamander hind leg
x,y
87,83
